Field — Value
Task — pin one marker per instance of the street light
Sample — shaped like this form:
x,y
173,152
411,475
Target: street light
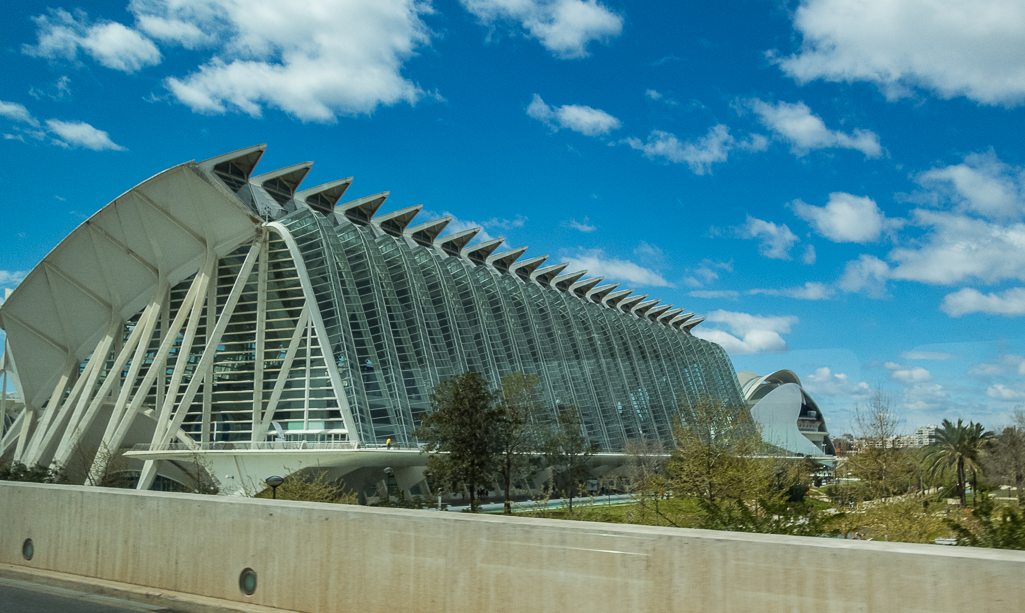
x,y
274,482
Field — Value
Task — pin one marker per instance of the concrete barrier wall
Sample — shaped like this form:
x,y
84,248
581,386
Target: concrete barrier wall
x,y
333,558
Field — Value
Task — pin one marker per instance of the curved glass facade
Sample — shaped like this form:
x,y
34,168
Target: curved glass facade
x,y
208,309
403,316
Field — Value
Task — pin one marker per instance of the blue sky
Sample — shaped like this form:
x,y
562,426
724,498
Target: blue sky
x,y
838,186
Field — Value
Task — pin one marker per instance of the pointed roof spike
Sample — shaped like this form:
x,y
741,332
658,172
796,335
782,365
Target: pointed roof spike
x,y
679,319
654,312
666,317
546,275
616,296
362,210
323,198
502,261
641,308
524,268
626,304
425,233
234,168
454,243
281,184
566,281
688,326
479,253
395,223
580,288
598,293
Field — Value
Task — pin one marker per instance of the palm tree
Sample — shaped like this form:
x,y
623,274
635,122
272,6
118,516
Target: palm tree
x,y
958,446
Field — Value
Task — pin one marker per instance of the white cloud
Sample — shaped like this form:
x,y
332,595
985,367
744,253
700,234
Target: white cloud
x,y
505,224
67,133
60,35
1006,364
582,226
598,264
724,294
700,153
563,27
747,333
582,119
1010,302
922,396
1000,391
960,248
867,274
60,89
982,184
81,134
908,374
825,383
966,48
17,112
776,240
655,95
809,291
706,271
796,124
649,251
846,218
314,60
809,255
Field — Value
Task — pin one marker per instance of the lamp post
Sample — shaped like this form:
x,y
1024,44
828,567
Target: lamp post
x,y
274,482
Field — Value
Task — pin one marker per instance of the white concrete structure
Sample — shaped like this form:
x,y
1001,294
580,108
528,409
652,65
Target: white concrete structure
x,y
323,558
212,314
788,416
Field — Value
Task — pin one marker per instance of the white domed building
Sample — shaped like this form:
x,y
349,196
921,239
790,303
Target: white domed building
x,y
787,415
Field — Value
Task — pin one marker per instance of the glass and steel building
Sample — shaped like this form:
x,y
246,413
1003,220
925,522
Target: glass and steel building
x,y
211,310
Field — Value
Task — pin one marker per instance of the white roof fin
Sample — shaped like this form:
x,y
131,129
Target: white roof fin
x,y
566,281
453,243
546,275
362,210
688,326
234,168
641,308
598,293
395,223
524,268
323,198
502,261
655,312
479,253
425,233
580,288
281,184
627,304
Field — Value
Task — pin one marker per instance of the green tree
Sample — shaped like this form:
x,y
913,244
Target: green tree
x,y
518,434
1004,457
716,455
463,430
568,449
958,447
882,466
1000,527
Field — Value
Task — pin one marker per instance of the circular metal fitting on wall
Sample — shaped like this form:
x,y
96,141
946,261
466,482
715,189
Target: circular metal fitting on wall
x,y
28,549
247,581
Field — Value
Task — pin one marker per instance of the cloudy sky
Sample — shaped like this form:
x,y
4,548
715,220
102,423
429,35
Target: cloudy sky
x,y
838,186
